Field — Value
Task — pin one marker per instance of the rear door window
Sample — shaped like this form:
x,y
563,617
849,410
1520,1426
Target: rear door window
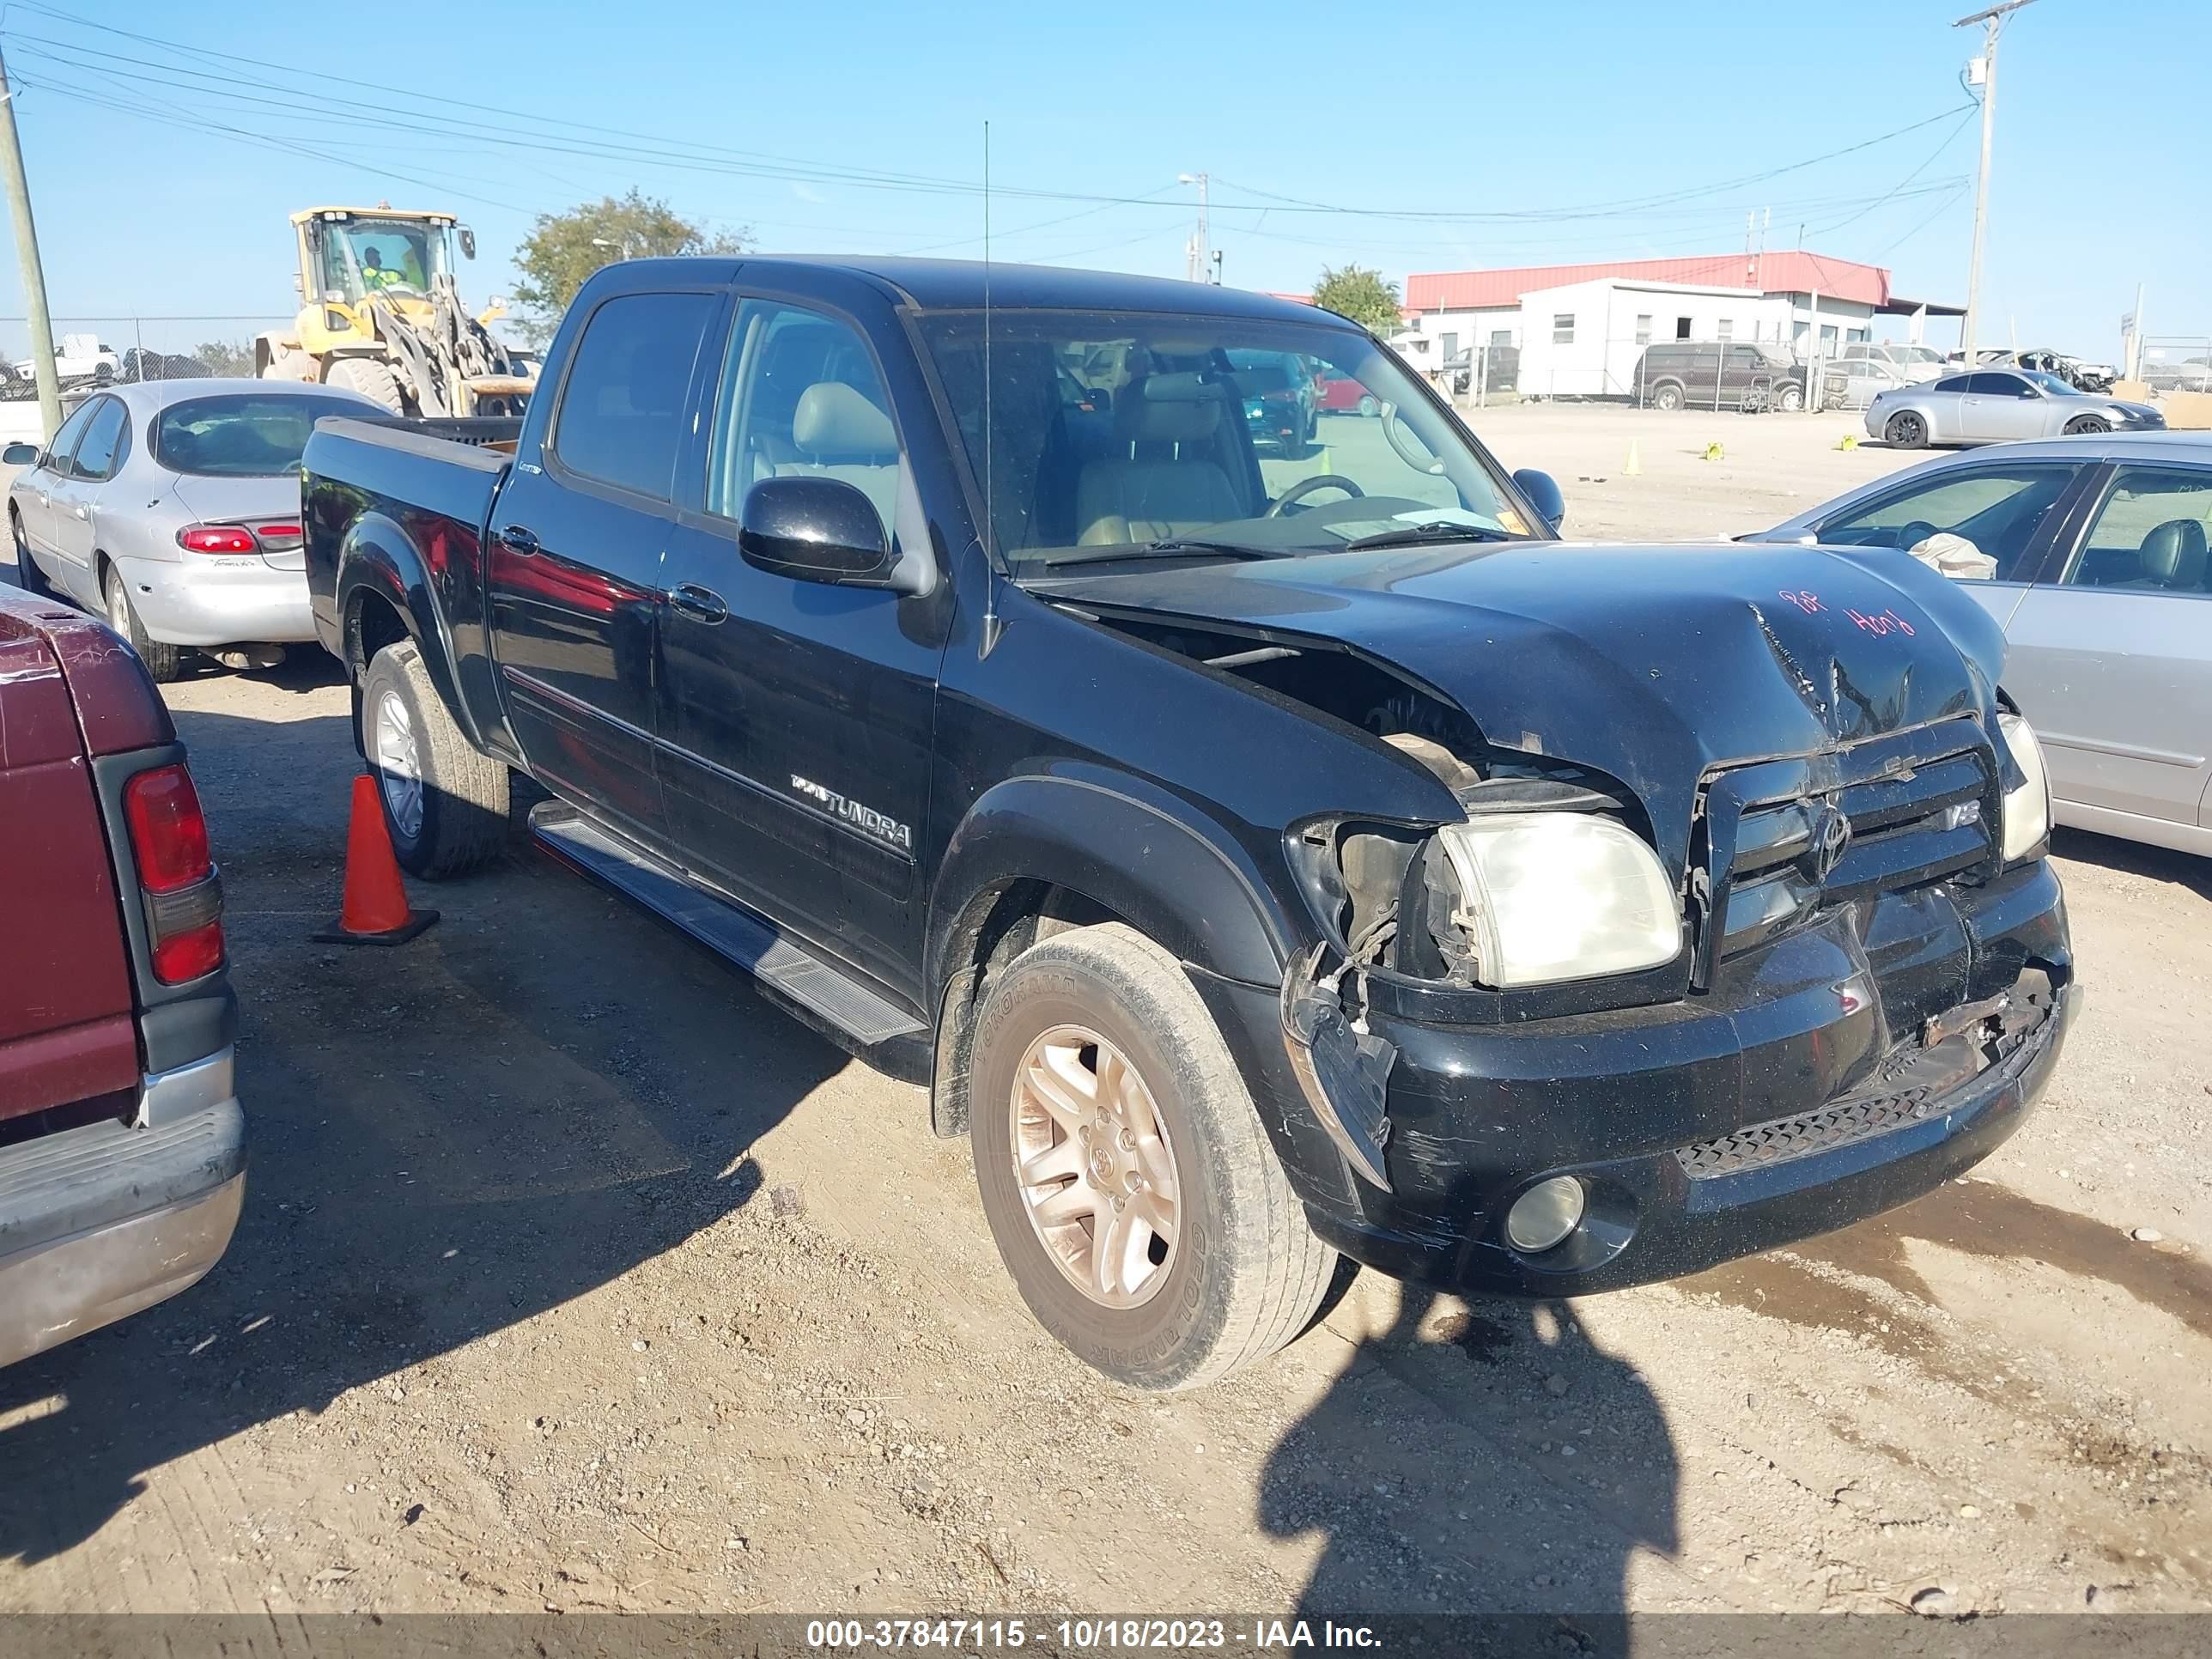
x,y
622,417
1991,518
105,440
2151,535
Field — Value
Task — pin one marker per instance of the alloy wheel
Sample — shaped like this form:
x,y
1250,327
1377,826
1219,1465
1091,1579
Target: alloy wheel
x,y
1095,1171
398,765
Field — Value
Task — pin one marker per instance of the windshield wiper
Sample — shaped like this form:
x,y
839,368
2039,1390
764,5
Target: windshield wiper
x,y
1417,535
1169,547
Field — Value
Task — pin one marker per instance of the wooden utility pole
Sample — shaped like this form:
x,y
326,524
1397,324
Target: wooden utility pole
x,y
27,249
1992,22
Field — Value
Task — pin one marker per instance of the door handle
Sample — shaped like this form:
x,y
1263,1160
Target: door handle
x,y
80,512
700,603
519,541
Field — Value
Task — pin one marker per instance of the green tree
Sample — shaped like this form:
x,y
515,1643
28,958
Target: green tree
x,y
1355,292
562,249
230,357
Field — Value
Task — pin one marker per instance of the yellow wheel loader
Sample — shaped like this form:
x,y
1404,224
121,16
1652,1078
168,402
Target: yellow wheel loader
x,y
380,314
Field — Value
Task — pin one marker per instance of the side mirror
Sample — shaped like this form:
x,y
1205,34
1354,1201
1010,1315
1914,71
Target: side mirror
x,y
19,455
1543,494
468,243
816,530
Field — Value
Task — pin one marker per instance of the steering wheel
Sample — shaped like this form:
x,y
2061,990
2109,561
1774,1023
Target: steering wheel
x,y
1914,533
1305,486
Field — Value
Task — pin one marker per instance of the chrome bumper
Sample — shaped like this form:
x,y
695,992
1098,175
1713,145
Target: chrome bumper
x,y
99,1222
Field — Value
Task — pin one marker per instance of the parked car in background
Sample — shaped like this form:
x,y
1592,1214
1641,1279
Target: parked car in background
x,y
1998,405
1280,405
173,508
1259,861
2098,574
1911,362
76,355
1690,374
1855,382
122,1145
1337,393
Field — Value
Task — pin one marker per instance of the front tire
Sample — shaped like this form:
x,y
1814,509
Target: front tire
x,y
372,380
29,577
444,804
2082,423
1131,1186
163,662
1370,407
1906,431
1791,399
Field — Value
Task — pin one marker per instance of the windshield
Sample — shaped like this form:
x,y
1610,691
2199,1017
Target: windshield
x,y
1202,429
259,435
361,256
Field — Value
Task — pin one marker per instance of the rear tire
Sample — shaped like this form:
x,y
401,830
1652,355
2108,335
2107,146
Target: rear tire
x,y
29,577
1300,444
1906,431
444,804
1369,407
163,662
2082,423
1667,398
373,380
1241,1273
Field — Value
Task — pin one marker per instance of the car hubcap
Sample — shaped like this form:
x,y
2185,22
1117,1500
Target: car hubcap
x,y
119,610
1096,1174
399,768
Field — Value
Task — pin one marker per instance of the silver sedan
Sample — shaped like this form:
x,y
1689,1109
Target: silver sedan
x,y
1997,405
173,508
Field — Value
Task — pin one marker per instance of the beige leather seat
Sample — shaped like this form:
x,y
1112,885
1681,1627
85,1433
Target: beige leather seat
x,y
1146,495
837,433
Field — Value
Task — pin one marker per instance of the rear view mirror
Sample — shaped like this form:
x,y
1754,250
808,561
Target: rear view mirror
x,y
19,455
816,530
468,243
1543,494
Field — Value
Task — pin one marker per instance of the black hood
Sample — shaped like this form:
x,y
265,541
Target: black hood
x,y
1652,665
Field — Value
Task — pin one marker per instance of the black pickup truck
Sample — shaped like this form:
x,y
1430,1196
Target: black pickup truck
x,y
1261,857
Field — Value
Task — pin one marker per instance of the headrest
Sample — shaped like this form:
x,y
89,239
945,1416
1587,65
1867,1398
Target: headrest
x,y
2173,554
1168,409
832,419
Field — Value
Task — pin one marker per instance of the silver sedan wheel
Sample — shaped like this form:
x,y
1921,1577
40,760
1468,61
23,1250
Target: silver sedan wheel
x,y
119,607
398,765
1095,1171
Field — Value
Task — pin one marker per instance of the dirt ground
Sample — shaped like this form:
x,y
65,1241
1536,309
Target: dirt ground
x,y
573,1276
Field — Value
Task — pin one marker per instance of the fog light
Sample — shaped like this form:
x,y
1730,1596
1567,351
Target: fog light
x,y
1544,1215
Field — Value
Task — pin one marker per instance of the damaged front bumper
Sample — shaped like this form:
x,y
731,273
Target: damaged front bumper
x,y
1834,1073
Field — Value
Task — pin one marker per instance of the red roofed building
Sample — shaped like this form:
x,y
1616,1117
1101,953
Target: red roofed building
x,y
1580,329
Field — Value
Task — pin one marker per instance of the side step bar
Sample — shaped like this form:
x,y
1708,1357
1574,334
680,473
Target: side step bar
x,y
749,941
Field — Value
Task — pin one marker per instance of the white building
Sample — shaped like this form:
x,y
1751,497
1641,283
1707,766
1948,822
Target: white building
x,y
1580,329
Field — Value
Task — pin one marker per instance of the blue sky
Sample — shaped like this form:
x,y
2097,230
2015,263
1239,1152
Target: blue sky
x,y
759,114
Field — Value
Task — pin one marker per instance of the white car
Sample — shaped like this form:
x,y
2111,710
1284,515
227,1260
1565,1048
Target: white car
x,y
78,354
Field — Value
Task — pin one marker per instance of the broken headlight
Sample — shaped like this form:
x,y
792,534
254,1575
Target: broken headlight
x,y
1545,896
2026,808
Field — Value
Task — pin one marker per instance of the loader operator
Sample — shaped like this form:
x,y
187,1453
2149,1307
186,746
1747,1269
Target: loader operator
x,y
374,274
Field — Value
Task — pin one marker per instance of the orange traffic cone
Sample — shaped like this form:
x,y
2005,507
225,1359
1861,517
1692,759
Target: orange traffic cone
x,y
375,910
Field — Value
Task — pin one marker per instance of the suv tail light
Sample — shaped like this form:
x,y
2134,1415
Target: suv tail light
x,y
177,879
218,538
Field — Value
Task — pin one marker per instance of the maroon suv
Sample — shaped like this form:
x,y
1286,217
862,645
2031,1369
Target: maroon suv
x,y
122,1146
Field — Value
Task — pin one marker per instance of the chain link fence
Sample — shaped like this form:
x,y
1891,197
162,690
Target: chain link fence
x,y
91,351
2176,362
1738,376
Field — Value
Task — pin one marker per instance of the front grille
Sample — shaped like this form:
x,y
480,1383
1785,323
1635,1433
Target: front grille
x,y
1785,838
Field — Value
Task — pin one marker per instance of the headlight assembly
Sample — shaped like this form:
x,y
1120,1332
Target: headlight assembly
x,y
1547,896
2028,808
